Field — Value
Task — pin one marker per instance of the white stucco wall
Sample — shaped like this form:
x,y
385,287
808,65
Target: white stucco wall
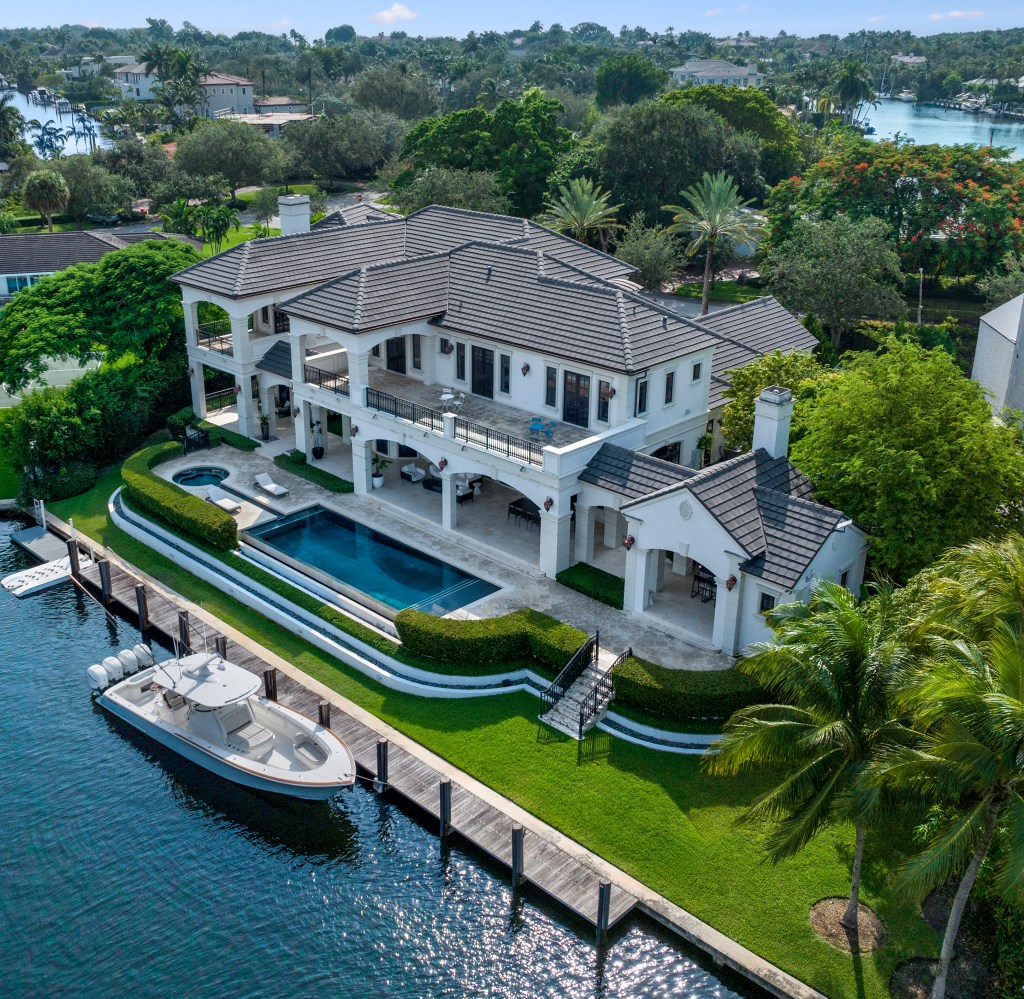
x,y
993,359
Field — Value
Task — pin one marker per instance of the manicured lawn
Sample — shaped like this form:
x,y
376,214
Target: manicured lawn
x,y
723,291
233,238
653,814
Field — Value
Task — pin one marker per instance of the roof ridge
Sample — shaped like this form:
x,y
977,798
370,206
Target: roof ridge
x,y
240,273
357,310
627,346
817,505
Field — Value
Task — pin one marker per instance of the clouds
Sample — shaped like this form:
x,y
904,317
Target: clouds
x,y
878,18
714,12
396,12
956,15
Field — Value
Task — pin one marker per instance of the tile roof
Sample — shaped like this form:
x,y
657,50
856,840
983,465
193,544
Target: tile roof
x,y
46,253
767,507
630,473
264,102
277,360
1006,319
750,331
354,215
222,79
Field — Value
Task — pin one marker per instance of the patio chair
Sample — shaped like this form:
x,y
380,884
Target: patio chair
x,y
412,472
268,485
457,404
217,496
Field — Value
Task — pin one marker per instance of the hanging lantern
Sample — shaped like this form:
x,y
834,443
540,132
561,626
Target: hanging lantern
x,y
548,503
730,582
443,464
354,432
629,542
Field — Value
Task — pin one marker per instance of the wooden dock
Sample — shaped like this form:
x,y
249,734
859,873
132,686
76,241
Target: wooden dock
x,y
547,865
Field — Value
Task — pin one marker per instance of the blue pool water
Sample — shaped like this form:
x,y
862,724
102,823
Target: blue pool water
x,y
207,475
371,562
129,872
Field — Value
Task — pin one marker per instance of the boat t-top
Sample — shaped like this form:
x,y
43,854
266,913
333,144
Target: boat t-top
x,y
209,710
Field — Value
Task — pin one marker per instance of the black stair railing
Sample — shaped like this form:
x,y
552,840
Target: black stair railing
x,y
600,696
585,656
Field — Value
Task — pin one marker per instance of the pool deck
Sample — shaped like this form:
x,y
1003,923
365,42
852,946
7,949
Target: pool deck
x,y
556,864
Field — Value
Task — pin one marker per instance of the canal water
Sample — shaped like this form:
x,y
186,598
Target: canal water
x,y
47,112
927,124
128,871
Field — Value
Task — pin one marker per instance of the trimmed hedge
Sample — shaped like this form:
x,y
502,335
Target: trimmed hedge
x,y
594,583
520,636
318,476
683,693
198,520
218,435
178,421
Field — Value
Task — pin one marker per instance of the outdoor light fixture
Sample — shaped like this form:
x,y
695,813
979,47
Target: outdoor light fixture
x,y
296,410
443,464
730,582
525,369
611,392
238,388
548,503
354,432
629,542
191,372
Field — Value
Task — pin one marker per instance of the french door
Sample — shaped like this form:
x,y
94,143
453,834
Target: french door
x,y
483,372
576,399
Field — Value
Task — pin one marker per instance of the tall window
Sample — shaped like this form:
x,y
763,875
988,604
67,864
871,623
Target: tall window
x,y
603,396
670,386
281,323
506,373
698,370
460,361
641,398
266,314
551,387
442,345
417,351
767,603
375,350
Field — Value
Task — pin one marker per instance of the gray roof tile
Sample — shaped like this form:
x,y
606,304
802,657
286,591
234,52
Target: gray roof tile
x,y
47,253
353,215
630,473
277,360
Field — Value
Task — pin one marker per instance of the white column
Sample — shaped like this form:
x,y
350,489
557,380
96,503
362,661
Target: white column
x,y
555,542
197,382
303,438
659,570
346,429
358,377
298,345
246,409
362,456
449,503
584,533
725,632
191,322
614,528
241,349
637,586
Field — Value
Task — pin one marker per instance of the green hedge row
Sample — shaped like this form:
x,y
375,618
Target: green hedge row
x,y
594,583
194,517
523,635
318,476
218,435
684,693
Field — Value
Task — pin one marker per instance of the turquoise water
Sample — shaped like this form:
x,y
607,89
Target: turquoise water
x,y
205,475
379,566
129,872
926,124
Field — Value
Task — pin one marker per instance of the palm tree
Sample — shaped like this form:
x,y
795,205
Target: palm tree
x,y
49,138
158,59
969,703
215,221
834,662
581,208
46,192
12,122
715,211
180,217
851,86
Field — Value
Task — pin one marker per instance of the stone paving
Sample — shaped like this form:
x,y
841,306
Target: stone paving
x,y
522,584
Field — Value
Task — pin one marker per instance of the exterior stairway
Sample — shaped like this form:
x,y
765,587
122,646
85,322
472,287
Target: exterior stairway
x,y
578,699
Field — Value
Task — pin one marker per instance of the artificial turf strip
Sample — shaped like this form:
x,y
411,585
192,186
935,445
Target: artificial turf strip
x,y
652,814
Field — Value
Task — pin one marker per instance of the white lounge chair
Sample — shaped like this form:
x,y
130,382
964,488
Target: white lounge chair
x,y
217,496
413,473
267,484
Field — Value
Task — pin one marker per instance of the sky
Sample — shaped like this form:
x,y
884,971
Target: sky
x,y
457,17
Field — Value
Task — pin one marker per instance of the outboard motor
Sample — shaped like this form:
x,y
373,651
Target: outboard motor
x,y
144,655
113,666
98,677
128,661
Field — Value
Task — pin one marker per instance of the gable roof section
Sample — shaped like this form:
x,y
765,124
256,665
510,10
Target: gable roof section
x,y
379,295
630,473
1006,319
750,331
47,253
277,360
353,215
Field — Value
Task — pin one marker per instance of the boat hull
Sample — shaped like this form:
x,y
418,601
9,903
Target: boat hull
x,y
247,776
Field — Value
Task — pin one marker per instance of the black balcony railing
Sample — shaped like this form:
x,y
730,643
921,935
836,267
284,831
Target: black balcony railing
x,y
330,380
506,445
402,409
215,336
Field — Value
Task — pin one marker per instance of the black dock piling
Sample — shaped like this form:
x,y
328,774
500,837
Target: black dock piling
x,y
381,781
446,806
518,834
105,589
76,569
604,901
142,602
323,709
270,686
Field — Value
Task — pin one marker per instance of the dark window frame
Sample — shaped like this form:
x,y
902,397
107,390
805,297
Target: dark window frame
x,y
460,361
550,386
505,373
670,387
767,603
417,352
697,372
603,400
642,401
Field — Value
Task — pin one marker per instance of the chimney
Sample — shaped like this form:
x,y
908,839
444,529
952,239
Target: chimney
x,y
294,212
773,413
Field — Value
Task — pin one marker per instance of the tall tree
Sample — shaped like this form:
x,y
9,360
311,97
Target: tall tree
x,y
46,192
581,209
627,79
12,123
239,152
835,663
651,250
714,211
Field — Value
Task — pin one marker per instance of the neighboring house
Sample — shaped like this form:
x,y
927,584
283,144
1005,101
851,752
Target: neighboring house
x,y
135,82
353,215
440,339
269,105
999,355
909,60
702,71
223,92
273,123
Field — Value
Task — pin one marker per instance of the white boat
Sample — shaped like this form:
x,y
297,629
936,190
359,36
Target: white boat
x,y
208,710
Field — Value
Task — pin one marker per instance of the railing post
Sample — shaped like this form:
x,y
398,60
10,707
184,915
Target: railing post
x,y
517,854
445,792
604,902
381,781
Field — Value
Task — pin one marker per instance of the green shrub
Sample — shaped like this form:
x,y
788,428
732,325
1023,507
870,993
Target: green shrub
x,y
171,504
297,457
78,477
177,422
318,476
218,435
594,583
683,693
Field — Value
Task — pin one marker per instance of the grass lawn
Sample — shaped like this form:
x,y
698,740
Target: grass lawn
x,y
292,189
233,238
653,814
723,291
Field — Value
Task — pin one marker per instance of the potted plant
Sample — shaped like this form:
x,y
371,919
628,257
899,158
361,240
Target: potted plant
x,y
705,443
265,426
380,464
318,447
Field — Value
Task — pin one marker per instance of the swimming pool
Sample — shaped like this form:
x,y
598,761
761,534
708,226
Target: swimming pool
x,y
366,560
205,475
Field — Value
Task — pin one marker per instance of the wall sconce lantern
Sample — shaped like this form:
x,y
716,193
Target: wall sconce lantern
x,y
548,503
730,582
191,372
525,369
238,388
443,464
354,432
296,410
611,392
629,542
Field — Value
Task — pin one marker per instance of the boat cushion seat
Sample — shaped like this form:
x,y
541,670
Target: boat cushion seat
x,y
249,737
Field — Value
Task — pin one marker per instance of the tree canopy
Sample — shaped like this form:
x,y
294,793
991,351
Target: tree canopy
x,y
627,79
241,153
476,191
902,442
